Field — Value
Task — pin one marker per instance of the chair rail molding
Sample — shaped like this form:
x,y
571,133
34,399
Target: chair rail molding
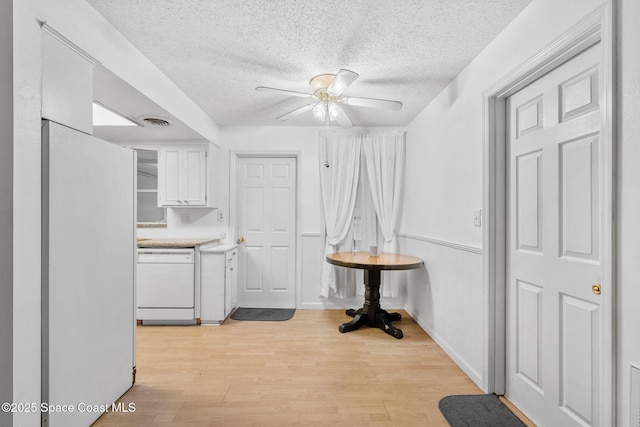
x,y
454,245
310,234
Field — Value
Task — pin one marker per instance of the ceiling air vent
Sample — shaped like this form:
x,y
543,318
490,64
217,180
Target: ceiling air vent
x,y
156,121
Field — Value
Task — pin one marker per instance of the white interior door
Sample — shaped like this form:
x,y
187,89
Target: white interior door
x,y
267,221
556,325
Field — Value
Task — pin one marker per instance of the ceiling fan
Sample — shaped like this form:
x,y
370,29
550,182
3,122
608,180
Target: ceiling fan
x,y
327,96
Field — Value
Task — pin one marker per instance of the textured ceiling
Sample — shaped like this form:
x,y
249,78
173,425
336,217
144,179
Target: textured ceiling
x,y
218,51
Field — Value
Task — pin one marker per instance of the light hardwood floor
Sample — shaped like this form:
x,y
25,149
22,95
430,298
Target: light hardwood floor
x,y
301,372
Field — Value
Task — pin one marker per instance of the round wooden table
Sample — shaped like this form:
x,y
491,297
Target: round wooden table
x,y
371,314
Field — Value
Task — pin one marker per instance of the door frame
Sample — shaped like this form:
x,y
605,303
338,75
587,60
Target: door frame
x,y
594,28
234,156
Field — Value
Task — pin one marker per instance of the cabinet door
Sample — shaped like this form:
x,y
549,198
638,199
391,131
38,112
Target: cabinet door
x,y
169,176
212,299
182,176
193,179
231,293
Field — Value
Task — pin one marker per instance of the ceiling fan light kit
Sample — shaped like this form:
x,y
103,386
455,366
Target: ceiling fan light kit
x,y
327,89
321,81
320,111
334,111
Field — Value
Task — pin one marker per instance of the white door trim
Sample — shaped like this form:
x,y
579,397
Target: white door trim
x,y
234,155
597,27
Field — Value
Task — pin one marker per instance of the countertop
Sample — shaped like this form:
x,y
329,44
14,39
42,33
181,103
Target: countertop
x,y
190,242
219,249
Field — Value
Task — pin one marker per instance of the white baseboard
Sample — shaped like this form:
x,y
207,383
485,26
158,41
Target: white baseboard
x,y
471,373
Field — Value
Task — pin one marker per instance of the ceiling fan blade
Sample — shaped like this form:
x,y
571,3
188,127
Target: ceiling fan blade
x,y
372,103
343,119
295,112
341,81
284,92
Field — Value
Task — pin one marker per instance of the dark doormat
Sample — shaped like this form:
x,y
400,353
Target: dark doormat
x,y
478,410
268,314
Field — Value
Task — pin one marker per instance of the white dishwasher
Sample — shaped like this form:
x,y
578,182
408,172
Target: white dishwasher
x,y
165,281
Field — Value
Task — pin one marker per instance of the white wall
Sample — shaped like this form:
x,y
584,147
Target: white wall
x,y
444,185
26,208
628,231
6,209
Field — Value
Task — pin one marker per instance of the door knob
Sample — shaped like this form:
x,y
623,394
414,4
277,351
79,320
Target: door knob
x,y
240,239
596,288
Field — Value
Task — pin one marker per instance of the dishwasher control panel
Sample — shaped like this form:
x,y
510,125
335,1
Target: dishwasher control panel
x,y
166,256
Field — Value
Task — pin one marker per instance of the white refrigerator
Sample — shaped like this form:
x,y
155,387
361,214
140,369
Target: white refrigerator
x,y
88,286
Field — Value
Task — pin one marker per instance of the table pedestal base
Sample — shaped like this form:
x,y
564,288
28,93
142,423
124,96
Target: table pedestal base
x,y
371,314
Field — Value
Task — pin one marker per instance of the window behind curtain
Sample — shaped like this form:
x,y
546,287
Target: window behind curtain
x,y
364,228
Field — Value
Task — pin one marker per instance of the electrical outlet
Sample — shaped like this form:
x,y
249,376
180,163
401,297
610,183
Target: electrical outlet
x,y
220,216
477,217
185,219
223,235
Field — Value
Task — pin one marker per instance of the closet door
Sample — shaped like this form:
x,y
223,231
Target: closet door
x,y
557,303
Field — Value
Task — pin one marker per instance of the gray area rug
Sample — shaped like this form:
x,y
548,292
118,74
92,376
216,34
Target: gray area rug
x,y
478,410
266,314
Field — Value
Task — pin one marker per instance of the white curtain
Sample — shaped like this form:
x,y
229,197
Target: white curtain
x,y
339,155
384,153
364,228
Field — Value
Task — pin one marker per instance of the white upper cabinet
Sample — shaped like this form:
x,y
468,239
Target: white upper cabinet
x,y
182,175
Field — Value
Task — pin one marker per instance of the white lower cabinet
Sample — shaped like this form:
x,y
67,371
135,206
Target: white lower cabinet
x,y
230,282
218,294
